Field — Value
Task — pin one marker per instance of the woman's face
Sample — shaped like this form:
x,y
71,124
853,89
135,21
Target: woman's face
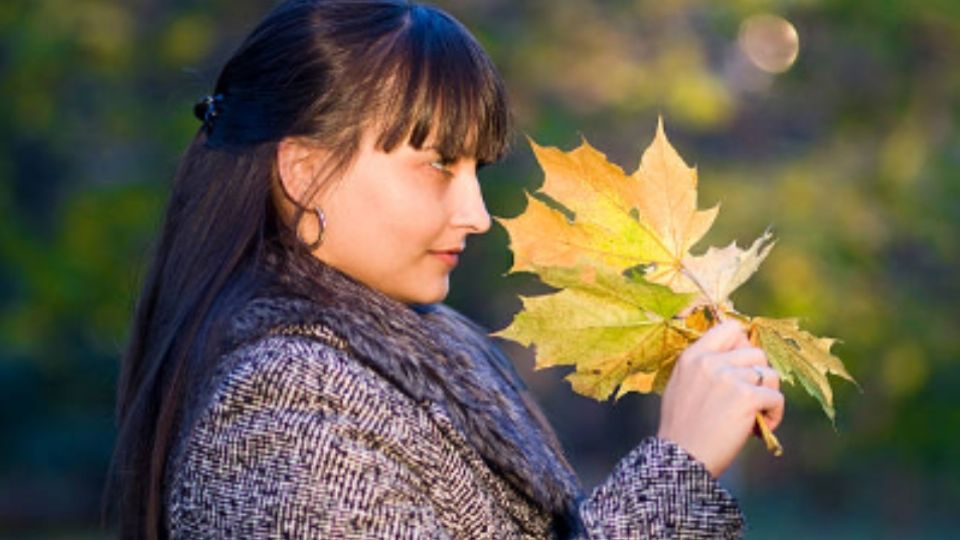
x,y
397,221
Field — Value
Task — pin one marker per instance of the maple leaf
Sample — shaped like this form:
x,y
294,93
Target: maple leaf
x,y
646,220
613,327
666,200
799,355
604,232
631,294
718,272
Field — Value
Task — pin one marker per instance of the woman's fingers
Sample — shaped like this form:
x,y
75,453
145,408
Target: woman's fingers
x,y
748,364
771,379
743,340
722,337
747,356
759,376
771,403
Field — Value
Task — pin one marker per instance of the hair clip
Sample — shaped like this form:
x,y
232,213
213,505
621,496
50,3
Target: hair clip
x,y
207,109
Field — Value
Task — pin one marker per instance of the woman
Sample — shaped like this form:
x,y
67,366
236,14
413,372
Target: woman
x,y
291,371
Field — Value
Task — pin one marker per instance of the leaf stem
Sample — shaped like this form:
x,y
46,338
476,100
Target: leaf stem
x,y
773,444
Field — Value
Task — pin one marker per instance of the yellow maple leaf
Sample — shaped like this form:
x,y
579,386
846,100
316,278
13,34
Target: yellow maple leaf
x,y
604,232
631,294
666,201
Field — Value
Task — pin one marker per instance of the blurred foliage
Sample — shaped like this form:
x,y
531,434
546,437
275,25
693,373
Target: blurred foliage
x,y
851,156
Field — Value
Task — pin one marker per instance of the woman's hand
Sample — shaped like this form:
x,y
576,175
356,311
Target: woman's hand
x,y
710,404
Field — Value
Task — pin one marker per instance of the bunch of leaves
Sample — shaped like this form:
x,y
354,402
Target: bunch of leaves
x,y
631,296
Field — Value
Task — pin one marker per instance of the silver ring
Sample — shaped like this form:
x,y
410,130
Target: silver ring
x,y
759,373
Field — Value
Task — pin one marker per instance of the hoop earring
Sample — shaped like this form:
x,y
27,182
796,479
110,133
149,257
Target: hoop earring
x,y
321,224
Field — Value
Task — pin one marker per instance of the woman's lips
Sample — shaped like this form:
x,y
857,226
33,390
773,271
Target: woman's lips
x,y
450,258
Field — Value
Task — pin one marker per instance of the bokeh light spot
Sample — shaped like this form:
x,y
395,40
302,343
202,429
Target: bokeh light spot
x,y
770,42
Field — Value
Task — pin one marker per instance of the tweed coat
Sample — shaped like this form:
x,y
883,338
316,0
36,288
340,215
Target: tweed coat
x,y
335,412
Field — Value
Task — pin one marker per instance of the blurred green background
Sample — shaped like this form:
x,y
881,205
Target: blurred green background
x,y
850,152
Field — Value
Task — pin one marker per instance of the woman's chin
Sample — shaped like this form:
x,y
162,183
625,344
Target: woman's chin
x,y
431,293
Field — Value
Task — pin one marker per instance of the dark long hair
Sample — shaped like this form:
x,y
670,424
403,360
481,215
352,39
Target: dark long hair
x,y
324,70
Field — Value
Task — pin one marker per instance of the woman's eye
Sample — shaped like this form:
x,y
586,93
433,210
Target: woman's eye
x,y
441,165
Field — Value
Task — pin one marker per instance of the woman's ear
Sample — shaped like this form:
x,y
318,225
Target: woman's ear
x,y
299,164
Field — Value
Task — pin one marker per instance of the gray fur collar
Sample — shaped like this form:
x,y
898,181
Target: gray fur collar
x,y
431,353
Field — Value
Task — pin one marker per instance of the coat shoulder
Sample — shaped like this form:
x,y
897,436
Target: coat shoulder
x,y
295,441
297,435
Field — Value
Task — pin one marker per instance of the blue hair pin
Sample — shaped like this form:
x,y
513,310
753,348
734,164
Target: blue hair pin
x,y
207,109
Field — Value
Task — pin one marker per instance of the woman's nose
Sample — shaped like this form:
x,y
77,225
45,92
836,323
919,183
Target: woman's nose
x,y
470,211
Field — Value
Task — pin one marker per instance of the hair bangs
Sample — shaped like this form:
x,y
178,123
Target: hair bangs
x,y
442,90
